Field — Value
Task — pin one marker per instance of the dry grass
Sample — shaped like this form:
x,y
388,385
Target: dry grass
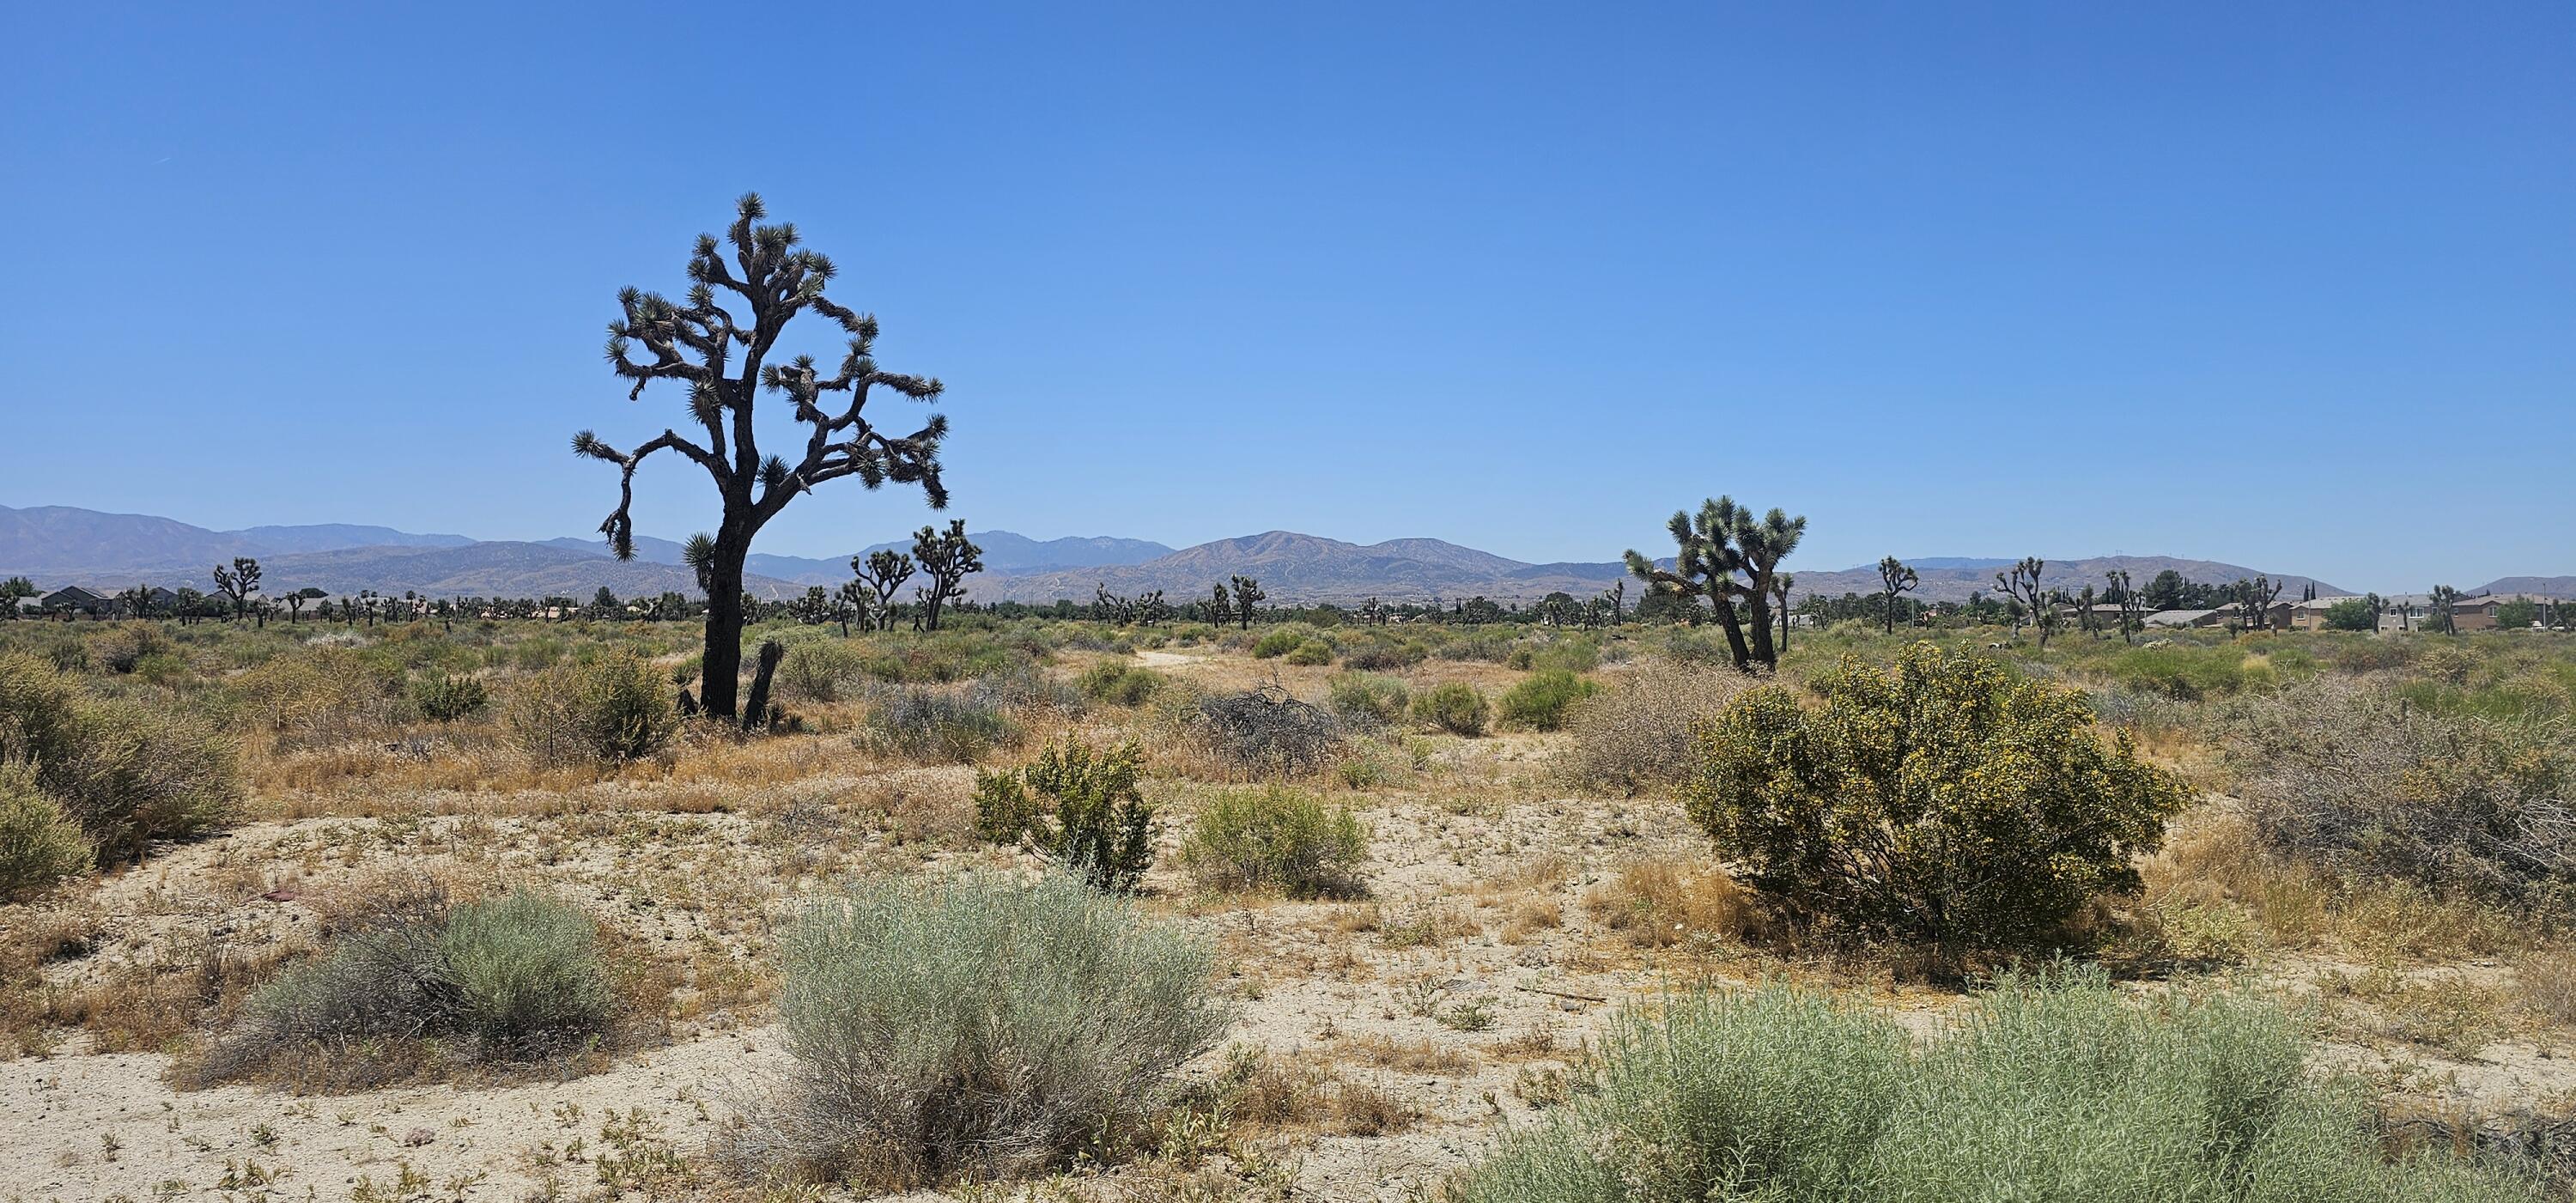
x,y
1657,903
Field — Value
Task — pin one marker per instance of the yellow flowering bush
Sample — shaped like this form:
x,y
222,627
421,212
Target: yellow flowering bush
x,y
1940,800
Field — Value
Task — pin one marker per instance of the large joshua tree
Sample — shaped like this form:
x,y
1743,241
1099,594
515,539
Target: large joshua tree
x,y
1726,554
946,557
723,359
2022,585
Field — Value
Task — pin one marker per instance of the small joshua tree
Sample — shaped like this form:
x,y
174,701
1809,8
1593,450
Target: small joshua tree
x,y
1894,579
880,573
1247,595
946,557
2133,605
12,591
238,583
2445,600
2022,585
723,360
1219,611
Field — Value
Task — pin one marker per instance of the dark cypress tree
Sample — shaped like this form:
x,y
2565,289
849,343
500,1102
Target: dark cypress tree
x,y
723,359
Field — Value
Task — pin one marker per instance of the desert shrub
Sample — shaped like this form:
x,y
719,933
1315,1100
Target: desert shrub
x,y
39,844
974,1026
1079,806
1276,839
2347,774
506,979
1635,736
1311,653
323,697
2185,671
928,723
1366,699
1455,707
817,669
123,647
127,774
1119,684
1491,649
2064,1089
1942,800
613,708
1278,643
1377,653
1539,701
444,698
1265,731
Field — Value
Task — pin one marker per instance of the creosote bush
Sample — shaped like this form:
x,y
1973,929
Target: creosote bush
x,y
513,978
1119,683
1078,806
445,698
611,709
1539,701
1276,839
1942,801
127,774
936,724
2063,1089
39,844
1310,654
1455,707
977,1026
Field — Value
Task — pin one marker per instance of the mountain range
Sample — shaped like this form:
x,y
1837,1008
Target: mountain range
x,y
61,545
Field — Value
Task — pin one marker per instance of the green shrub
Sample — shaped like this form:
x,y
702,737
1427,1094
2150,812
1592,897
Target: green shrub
x,y
1455,707
126,773
2185,671
509,979
1119,684
1540,700
1276,839
1278,643
817,669
2064,1090
1079,806
1311,653
445,699
972,1027
613,708
1367,699
39,844
2351,614
526,972
123,647
1944,800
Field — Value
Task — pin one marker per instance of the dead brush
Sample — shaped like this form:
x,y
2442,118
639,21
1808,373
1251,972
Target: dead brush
x,y
1636,737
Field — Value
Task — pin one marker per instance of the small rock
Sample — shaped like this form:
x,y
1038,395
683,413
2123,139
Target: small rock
x,y
418,1137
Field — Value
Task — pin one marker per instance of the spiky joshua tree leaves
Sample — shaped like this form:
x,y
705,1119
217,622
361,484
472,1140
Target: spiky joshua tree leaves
x,y
1894,580
947,558
723,360
238,583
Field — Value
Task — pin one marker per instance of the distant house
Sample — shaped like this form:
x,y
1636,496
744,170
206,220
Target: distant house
x,y
2310,615
72,599
2186,618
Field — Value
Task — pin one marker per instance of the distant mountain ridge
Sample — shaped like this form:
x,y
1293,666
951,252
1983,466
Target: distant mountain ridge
x,y
60,545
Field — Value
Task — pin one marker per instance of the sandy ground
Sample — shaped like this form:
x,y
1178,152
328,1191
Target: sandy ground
x,y
1476,916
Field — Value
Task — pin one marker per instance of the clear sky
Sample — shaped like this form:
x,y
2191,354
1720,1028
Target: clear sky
x,y
2288,285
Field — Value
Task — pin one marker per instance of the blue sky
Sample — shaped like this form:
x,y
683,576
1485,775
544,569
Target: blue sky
x,y
2291,286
